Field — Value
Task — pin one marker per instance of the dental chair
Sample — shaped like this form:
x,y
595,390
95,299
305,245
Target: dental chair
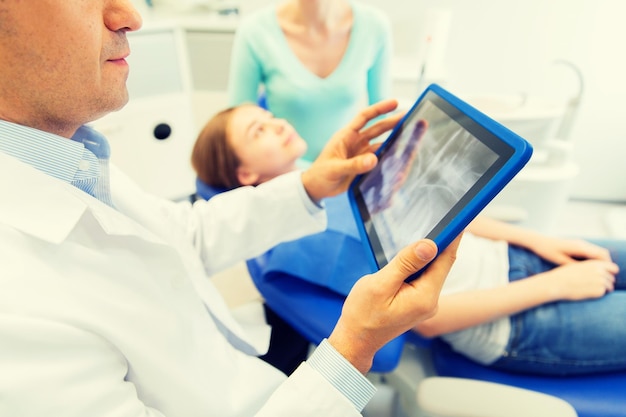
x,y
431,380
308,292
313,310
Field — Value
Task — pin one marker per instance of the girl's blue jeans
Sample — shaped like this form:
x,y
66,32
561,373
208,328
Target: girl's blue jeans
x,y
568,337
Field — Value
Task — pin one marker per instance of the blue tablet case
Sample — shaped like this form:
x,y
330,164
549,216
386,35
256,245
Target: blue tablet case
x,y
450,120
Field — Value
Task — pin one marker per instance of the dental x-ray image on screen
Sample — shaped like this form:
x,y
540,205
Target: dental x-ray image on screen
x,y
439,167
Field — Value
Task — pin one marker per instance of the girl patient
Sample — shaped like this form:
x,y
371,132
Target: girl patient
x,y
245,145
515,299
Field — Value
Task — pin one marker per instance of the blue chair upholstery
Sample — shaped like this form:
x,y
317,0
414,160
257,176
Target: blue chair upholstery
x,y
308,292
600,395
311,309
262,100
206,192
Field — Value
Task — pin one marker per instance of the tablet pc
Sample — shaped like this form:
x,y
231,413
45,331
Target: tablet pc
x,y
439,167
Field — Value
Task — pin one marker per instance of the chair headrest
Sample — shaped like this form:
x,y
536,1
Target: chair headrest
x,y
206,191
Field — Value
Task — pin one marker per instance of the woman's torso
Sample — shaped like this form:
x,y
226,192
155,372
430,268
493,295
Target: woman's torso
x,y
316,106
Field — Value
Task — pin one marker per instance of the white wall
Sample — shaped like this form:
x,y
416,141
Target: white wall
x,y
506,46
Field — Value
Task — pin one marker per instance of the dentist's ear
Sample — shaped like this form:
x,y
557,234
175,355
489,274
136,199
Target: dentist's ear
x,y
246,177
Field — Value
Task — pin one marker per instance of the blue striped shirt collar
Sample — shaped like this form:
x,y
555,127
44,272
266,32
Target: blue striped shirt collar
x,y
82,161
51,154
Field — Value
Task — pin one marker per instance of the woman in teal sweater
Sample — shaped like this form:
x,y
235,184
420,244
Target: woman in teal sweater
x,y
317,62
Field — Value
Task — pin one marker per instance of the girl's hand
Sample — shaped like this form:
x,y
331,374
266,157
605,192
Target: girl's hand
x,y
580,280
565,251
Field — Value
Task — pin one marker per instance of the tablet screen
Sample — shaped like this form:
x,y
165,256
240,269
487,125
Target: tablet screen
x,y
429,168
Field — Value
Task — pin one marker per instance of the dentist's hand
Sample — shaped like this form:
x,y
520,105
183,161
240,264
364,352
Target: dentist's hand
x,y
349,152
382,306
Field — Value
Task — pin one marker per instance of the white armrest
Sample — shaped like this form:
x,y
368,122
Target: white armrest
x,y
458,397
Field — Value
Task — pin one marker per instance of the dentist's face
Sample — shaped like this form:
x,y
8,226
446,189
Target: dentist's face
x,y
63,61
266,146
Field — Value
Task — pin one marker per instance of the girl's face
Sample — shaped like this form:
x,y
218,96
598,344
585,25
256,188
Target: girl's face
x,y
266,146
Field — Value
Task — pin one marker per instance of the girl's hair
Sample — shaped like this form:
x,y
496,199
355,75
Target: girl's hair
x,y
213,159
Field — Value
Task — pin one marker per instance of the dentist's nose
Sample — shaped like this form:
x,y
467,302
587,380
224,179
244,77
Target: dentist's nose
x,y
122,15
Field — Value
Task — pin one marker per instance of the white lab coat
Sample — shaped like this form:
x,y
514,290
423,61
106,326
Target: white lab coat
x,y
101,316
